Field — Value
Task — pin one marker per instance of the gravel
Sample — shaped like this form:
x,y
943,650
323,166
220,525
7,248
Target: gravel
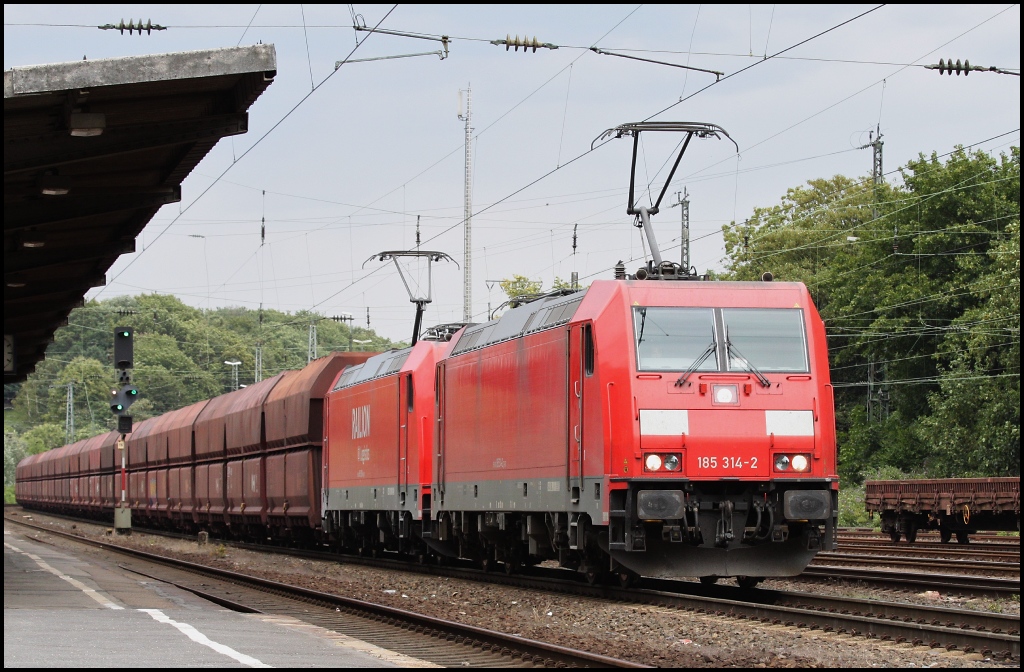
x,y
656,636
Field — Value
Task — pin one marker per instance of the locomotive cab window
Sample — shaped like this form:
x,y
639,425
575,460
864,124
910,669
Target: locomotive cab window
x,y
674,339
588,349
681,339
771,339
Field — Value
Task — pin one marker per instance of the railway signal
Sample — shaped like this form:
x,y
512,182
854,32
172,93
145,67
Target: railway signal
x,y
122,399
124,348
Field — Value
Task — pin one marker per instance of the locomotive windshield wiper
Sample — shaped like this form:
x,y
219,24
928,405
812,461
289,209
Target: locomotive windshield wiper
x,y
643,321
696,363
733,352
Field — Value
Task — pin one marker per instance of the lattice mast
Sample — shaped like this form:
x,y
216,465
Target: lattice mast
x,y
467,259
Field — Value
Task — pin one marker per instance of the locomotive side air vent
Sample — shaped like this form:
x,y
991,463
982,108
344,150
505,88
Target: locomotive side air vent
x,y
521,320
467,341
375,367
563,313
351,373
533,322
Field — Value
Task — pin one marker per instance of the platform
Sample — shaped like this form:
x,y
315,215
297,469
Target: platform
x,y
63,610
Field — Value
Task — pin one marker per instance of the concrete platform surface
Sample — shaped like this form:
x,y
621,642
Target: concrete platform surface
x,y
63,610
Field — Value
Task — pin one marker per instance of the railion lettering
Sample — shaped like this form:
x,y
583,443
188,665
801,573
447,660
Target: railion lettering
x,y
361,422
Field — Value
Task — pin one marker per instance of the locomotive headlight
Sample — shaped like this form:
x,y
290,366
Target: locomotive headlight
x,y
800,463
725,394
672,462
652,462
781,462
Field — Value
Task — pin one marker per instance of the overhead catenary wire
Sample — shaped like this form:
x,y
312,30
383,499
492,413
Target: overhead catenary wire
x,y
594,148
258,7
235,162
492,211
754,65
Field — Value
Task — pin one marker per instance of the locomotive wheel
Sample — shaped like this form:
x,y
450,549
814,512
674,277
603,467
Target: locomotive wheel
x,y
962,538
748,581
894,534
626,578
945,535
594,577
709,580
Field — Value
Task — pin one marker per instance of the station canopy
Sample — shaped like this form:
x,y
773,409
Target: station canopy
x,y
92,150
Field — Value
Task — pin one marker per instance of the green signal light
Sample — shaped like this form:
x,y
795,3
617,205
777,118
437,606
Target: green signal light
x,y
133,392
120,407
125,334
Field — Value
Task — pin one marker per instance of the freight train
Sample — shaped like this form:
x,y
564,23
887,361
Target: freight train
x,y
632,428
652,424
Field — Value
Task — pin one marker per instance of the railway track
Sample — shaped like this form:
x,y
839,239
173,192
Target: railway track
x,y
871,535
443,642
970,631
980,552
904,580
919,564
933,578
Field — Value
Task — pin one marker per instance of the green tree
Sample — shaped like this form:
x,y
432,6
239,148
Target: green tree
x,y
520,285
179,359
975,421
918,284
15,449
43,437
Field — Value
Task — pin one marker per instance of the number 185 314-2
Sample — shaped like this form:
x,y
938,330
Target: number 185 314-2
x,y
726,462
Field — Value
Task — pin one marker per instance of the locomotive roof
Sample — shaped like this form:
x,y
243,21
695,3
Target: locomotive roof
x,y
375,367
555,311
535,316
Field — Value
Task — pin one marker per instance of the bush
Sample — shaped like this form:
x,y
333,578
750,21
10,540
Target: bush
x,y
851,508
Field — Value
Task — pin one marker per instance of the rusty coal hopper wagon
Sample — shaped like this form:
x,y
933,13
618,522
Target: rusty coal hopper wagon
x,y
953,506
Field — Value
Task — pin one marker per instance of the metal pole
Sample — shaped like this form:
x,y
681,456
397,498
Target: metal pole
x,y
311,351
234,364
645,220
122,512
683,200
467,268
69,414
124,476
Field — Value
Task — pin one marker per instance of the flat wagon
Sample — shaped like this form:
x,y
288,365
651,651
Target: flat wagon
x,y
953,506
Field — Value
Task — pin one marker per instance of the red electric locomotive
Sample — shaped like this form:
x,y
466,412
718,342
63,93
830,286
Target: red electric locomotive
x,y
641,427
378,443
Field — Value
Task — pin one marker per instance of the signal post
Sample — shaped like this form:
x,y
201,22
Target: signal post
x,y
123,398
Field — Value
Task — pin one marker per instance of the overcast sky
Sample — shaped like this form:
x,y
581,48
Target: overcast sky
x,y
380,143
